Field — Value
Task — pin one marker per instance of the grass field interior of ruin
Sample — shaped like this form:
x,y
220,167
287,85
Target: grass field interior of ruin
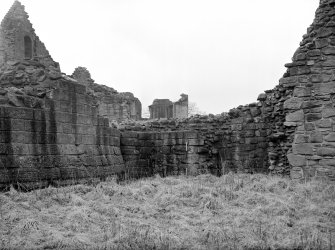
x,y
235,211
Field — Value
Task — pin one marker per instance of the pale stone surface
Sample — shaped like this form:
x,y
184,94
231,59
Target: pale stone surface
x,y
303,149
296,160
297,116
293,103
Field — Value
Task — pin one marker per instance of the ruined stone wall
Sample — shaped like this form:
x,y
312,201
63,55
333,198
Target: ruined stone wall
x,y
180,107
120,107
161,108
291,129
113,105
51,131
312,106
252,138
165,153
165,109
56,129
13,30
202,144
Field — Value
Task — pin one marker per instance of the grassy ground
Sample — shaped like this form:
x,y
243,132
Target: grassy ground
x,y
204,212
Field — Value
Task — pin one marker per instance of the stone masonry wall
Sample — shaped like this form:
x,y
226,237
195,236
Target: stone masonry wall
x,y
312,106
161,108
251,138
50,132
113,105
164,153
53,128
165,109
180,107
238,141
291,130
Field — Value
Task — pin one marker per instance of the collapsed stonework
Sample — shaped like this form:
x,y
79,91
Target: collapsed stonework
x,y
113,105
166,109
60,129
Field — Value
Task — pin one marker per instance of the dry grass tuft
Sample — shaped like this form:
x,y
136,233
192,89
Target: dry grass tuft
x,y
204,212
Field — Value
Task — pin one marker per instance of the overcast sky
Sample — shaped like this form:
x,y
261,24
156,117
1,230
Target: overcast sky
x,y
222,53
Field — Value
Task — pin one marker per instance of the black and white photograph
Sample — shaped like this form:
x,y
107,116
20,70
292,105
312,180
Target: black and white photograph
x,y
167,124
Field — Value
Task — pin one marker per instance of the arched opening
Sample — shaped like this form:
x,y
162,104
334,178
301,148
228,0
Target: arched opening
x,y
28,48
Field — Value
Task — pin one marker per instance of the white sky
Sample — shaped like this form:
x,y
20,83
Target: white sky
x,y
222,53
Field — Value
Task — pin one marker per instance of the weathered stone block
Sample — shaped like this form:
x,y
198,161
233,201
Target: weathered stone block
x,y
309,126
329,112
316,137
299,71
290,124
18,124
316,78
327,162
143,136
313,117
22,137
329,62
325,88
293,103
129,141
324,32
115,141
300,57
251,140
311,104
129,134
314,53
329,50
321,43
255,111
17,113
297,116
249,133
326,151
196,142
300,139
324,123
63,117
130,151
296,160
302,92
67,149
330,137
191,135
65,139
303,149
116,150
262,97
289,81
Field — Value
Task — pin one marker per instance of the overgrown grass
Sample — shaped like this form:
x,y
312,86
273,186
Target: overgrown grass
x,y
204,212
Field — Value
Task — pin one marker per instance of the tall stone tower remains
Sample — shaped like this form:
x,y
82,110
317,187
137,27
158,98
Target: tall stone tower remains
x,y
166,109
18,40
